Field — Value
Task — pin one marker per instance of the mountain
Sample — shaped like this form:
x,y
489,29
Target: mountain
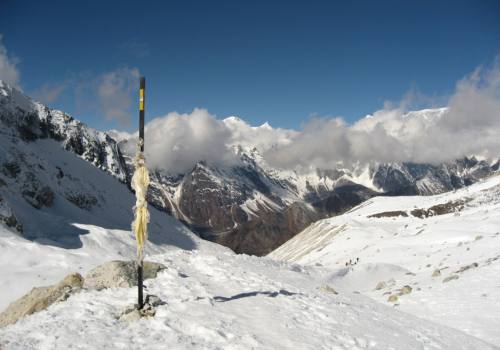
x,y
253,208
248,206
65,206
436,257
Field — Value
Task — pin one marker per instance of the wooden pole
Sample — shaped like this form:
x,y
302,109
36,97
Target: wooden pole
x,y
142,103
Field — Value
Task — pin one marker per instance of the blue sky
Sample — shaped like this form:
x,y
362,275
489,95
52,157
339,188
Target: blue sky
x,y
280,61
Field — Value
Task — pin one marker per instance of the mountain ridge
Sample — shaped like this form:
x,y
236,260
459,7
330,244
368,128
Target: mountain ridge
x,y
248,206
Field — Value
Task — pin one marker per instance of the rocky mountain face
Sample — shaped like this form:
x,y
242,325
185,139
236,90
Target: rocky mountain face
x,y
29,120
248,207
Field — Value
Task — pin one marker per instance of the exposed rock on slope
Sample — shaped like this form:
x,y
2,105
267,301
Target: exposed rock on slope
x,y
41,298
114,274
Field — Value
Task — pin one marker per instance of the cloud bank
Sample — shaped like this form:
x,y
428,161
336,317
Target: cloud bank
x,y
469,125
176,142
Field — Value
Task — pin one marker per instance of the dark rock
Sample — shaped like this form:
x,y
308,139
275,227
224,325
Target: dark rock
x,y
11,169
82,200
262,235
389,214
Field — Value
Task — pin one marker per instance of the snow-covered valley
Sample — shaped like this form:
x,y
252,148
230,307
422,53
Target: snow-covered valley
x,y
449,258
215,299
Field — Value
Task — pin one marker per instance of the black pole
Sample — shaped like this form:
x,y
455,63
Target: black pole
x,y
142,103
139,286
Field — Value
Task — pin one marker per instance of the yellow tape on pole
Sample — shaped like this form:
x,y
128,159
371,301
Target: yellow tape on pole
x,y
141,99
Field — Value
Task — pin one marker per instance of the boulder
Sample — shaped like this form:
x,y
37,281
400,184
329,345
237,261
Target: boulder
x,y
326,288
132,314
405,290
467,267
40,298
392,298
381,285
122,274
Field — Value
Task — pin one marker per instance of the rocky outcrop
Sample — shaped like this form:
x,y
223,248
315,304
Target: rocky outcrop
x,y
389,214
112,274
209,203
270,230
405,290
39,299
436,273
133,314
393,298
467,267
119,274
8,218
82,200
30,120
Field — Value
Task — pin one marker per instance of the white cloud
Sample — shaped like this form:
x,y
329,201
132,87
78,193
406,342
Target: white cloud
x,y
109,94
8,70
262,137
49,93
115,91
176,142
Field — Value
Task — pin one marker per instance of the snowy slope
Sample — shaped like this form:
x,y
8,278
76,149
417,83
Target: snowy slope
x,y
400,249
218,300
84,218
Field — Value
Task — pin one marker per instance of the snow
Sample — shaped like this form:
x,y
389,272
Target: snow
x,y
363,177
257,202
119,135
407,250
218,300
63,238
